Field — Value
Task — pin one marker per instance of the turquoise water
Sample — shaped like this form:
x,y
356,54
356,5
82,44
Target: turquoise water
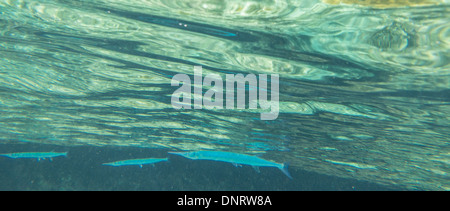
x,y
364,92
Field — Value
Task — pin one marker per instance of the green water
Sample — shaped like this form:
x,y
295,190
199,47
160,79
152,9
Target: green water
x,y
364,89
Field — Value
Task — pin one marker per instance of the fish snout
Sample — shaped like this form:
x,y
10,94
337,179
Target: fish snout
x,y
177,153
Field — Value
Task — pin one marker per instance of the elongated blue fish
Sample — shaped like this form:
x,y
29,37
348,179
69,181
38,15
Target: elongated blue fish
x,y
38,155
138,162
234,158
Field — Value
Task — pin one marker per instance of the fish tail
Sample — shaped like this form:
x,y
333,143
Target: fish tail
x,y
284,169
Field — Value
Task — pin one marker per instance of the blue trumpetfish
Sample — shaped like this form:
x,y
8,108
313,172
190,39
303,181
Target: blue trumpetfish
x,y
37,155
139,162
234,158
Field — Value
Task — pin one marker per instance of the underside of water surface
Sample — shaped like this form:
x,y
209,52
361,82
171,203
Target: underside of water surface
x,y
363,85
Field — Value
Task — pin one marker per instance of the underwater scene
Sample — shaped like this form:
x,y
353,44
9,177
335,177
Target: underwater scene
x,y
139,95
